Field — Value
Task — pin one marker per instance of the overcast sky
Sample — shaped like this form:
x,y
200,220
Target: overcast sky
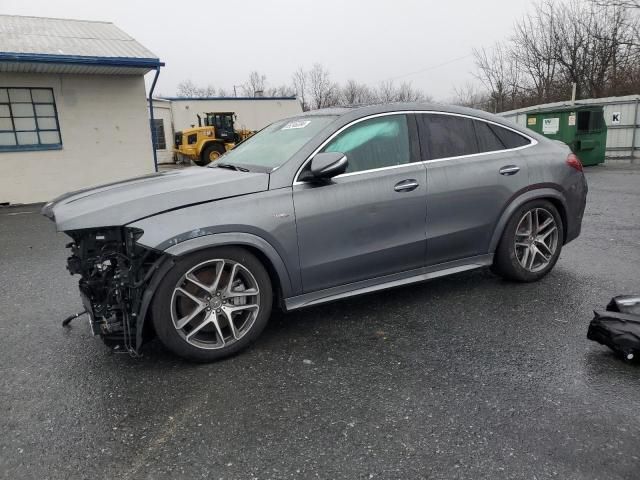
x,y
221,42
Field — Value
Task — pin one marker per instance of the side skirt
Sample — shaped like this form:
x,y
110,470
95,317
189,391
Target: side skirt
x,y
387,281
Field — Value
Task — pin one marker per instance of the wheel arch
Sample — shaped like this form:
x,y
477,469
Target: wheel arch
x,y
549,193
267,254
263,250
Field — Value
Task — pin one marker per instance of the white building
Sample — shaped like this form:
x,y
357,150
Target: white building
x,y
253,113
73,107
173,114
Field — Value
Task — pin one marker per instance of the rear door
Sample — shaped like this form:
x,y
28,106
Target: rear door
x,y
474,168
370,221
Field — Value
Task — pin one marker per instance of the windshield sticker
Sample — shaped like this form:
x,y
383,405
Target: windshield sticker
x,y
296,124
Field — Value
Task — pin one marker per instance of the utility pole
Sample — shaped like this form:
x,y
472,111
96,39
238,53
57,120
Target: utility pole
x,y
573,93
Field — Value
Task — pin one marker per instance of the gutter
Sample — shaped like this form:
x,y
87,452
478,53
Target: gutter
x,y
130,62
153,134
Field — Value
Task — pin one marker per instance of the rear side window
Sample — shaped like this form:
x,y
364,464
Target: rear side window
x,y
488,141
445,136
509,138
491,137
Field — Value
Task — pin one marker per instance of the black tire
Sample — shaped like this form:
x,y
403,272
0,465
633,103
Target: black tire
x,y
506,262
205,156
162,304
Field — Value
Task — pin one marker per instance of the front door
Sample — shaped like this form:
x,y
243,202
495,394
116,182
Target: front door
x,y
370,221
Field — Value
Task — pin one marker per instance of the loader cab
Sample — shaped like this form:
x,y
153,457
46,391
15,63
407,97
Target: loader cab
x,y
223,125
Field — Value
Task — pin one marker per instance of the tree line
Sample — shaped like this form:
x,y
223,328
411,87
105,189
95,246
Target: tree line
x,y
593,44
314,88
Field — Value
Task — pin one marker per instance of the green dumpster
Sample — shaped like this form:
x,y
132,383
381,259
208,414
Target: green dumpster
x,y
582,128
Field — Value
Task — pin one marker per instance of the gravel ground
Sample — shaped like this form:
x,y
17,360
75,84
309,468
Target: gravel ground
x,y
462,377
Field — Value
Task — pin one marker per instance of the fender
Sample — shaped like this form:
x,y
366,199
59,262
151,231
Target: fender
x,y
219,239
162,268
519,200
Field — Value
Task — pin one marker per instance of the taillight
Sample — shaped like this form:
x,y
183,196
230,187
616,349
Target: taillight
x,y
574,162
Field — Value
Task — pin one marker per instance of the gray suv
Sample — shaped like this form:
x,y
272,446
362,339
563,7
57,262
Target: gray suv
x,y
312,209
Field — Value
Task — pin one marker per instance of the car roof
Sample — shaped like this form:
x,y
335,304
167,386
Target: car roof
x,y
354,112
372,109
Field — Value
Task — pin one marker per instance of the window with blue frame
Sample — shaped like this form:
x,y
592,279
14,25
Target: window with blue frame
x,y
28,119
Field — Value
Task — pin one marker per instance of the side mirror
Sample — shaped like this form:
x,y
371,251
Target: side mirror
x,y
328,165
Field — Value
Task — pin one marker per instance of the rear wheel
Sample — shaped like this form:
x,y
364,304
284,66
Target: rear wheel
x,y
211,153
531,242
212,304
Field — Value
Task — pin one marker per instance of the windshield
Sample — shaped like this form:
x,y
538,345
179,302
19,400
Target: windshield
x,y
277,143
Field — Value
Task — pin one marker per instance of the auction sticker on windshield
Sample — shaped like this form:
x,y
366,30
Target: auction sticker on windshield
x,y
296,124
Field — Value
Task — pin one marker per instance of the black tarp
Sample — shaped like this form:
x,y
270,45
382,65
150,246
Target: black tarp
x,y
618,327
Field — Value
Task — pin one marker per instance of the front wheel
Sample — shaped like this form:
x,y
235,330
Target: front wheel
x,y
212,304
531,242
211,153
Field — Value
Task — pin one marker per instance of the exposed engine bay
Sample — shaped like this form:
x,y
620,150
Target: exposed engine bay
x,y
114,274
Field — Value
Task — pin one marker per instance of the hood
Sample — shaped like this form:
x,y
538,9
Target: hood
x,y
120,203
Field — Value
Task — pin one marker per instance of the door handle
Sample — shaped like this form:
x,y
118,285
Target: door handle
x,y
406,185
509,170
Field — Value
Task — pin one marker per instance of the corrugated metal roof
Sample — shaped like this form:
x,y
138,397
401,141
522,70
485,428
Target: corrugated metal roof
x,y
567,103
55,36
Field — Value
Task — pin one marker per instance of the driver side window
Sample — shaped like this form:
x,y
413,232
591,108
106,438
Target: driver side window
x,y
374,143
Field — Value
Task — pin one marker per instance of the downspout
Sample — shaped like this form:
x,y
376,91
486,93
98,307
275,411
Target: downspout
x,y
153,135
633,135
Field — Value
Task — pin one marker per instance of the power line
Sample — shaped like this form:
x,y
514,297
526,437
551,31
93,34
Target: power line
x,y
432,67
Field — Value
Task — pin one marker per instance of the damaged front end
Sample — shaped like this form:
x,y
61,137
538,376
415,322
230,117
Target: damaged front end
x,y
116,282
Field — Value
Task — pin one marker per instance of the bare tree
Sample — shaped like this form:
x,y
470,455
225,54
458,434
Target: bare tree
x,y
188,89
386,91
469,95
280,91
256,83
315,89
300,80
406,93
618,3
498,71
355,93
324,92
534,48
592,44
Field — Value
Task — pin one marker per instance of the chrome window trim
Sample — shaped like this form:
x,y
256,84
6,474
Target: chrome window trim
x,y
532,141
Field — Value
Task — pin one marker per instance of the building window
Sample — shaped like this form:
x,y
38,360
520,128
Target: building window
x,y
157,131
28,119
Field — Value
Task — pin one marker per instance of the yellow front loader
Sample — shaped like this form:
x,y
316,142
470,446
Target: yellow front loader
x,y
206,143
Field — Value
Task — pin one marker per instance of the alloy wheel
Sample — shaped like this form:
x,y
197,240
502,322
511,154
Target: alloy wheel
x,y
215,303
536,239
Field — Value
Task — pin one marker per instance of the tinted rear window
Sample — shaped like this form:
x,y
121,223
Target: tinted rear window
x,y
445,136
509,138
488,141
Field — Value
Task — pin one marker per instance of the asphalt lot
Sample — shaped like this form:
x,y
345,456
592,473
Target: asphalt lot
x,y
463,377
